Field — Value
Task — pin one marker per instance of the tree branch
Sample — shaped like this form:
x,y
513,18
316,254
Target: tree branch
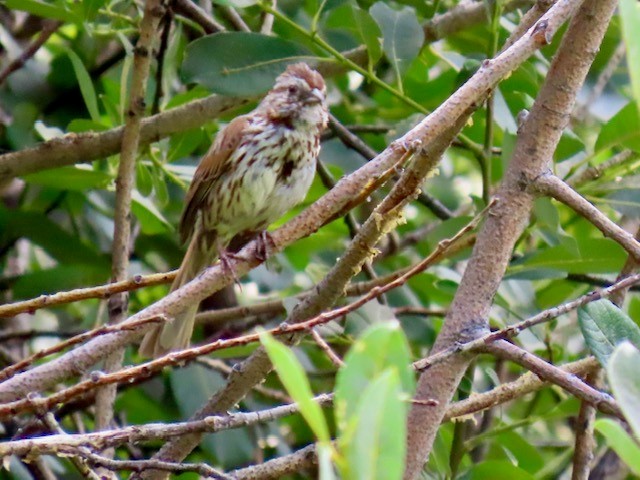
x,y
550,185
537,140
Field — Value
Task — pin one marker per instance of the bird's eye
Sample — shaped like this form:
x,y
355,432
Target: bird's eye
x,y
293,89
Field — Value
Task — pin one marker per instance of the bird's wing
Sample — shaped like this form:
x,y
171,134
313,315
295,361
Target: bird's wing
x,y
211,167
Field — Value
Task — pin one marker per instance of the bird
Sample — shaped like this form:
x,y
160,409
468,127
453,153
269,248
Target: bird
x,y
259,167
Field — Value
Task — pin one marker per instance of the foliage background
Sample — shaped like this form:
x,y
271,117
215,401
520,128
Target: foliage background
x,y
57,224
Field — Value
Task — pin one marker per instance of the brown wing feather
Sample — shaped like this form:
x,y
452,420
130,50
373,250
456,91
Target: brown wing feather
x,y
212,165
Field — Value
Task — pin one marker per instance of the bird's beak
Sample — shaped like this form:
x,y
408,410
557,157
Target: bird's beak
x,y
315,97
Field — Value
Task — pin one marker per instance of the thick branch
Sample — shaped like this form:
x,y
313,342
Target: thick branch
x,y
120,249
537,141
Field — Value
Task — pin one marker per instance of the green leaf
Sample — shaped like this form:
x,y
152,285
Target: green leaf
x,y
295,380
244,64
60,278
374,444
604,326
144,182
498,470
626,201
236,3
78,177
86,86
402,35
361,24
90,8
54,10
593,255
160,185
621,442
624,378
151,220
79,125
630,20
622,130
381,347
61,245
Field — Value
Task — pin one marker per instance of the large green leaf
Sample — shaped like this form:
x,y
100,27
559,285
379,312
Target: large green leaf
x,y
77,177
60,278
374,443
604,326
622,130
592,255
621,442
402,35
626,201
630,20
624,378
381,347
86,86
151,220
55,10
498,470
244,64
361,24
37,227
295,380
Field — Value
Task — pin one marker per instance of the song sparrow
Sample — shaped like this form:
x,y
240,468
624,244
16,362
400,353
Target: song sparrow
x,y
259,167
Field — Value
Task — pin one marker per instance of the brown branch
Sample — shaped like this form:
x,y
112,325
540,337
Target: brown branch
x,y
190,10
525,384
221,367
100,291
478,344
553,374
326,348
20,365
142,465
585,443
552,186
592,173
537,140
154,11
151,432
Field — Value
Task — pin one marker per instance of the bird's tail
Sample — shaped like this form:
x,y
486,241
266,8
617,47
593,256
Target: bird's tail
x,y
176,334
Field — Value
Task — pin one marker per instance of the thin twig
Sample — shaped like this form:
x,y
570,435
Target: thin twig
x,y
193,12
552,186
100,291
20,365
49,27
479,343
151,432
555,375
267,20
326,348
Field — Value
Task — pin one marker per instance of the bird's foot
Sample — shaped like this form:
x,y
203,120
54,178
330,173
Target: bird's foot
x,y
265,243
226,258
